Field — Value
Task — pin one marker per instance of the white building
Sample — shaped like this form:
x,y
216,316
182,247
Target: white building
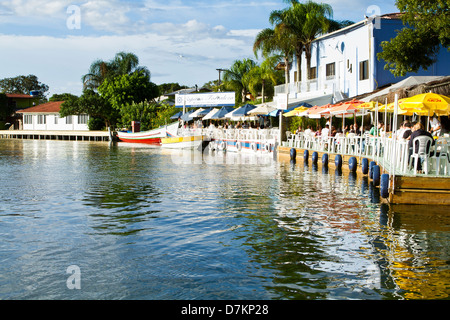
x,y
46,117
344,64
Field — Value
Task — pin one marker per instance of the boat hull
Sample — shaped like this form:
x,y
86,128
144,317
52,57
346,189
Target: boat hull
x,y
148,137
188,142
231,145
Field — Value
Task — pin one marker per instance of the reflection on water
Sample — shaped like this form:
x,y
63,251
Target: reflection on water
x,y
146,223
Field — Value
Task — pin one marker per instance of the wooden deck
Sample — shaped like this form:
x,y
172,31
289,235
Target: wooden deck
x,y
420,189
55,135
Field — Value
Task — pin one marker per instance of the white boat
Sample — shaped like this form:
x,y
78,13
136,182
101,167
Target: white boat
x,y
244,141
231,145
178,138
184,142
150,137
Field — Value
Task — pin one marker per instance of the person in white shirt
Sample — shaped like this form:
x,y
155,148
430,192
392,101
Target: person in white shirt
x,y
435,125
308,131
325,131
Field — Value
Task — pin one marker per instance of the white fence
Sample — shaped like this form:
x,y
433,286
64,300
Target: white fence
x,y
392,154
232,134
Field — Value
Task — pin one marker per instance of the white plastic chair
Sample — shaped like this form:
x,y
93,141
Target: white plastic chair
x,y
339,141
443,150
423,151
352,143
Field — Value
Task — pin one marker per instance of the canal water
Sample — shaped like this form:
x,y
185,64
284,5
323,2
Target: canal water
x,y
92,220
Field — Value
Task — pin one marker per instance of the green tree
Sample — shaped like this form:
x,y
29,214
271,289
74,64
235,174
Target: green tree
x,y
290,30
309,20
150,114
170,87
93,104
62,97
128,88
163,114
302,23
262,76
418,43
276,42
123,63
234,77
6,109
23,85
142,111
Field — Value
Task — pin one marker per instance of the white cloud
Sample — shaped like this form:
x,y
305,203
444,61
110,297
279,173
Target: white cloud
x,y
106,15
172,56
24,8
179,41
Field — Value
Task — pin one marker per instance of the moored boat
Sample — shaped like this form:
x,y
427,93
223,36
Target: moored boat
x,y
233,145
150,137
184,142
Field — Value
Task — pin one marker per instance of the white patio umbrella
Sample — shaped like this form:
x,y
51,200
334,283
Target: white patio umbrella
x,y
196,112
262,110
210,114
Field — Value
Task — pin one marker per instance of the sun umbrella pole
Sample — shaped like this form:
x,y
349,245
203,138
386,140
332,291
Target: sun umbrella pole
x,y
395,143
362,132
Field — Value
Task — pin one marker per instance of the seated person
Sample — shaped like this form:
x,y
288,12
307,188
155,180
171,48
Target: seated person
x,y
435,125
318,132
308,131
407,131
325,131
375,131
418,130
356,130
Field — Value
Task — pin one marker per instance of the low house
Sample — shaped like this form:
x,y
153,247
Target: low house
x,y
46,117
21,101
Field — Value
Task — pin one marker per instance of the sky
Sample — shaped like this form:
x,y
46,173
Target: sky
x,y
182,41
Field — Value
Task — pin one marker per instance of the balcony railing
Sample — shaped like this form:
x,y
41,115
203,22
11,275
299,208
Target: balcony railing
x,y
291,87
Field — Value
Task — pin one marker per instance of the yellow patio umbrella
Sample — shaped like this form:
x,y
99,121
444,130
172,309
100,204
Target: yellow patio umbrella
x,y
295,112
367,105
427,104
391,106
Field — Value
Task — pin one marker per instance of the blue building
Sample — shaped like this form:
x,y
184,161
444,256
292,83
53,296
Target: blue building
x,y
344,64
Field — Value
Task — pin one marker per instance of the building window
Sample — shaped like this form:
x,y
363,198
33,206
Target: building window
x,y
41,119
297,76
56,119
69,120
83,119
330,70
364,70
28,119
312,74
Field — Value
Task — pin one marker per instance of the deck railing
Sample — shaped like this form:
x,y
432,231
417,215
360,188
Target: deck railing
x,y
232,134
393,154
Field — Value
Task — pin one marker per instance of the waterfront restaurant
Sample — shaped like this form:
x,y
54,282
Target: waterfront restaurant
x,y
344,64
46,117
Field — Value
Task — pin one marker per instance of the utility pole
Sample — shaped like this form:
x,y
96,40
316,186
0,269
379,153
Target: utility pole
x,y
220,70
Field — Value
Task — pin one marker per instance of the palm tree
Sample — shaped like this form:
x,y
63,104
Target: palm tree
x,y
288,25
122,63
262,75
234,77
127,63
98,71
278,41
304,22
315,20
